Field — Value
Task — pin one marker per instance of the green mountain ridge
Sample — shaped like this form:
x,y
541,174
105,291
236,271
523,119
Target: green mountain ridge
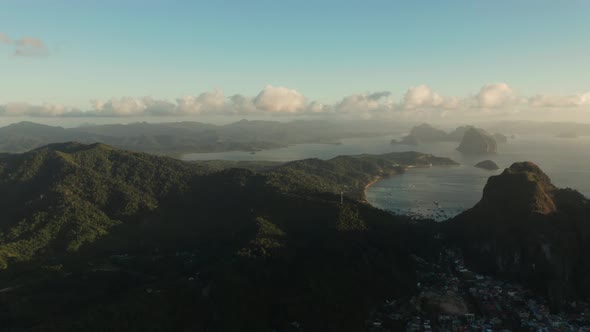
x,y
96,238
76,214
76,193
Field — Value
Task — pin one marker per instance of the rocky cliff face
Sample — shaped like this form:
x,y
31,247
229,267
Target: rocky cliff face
x,y
521,190
526,229
477,142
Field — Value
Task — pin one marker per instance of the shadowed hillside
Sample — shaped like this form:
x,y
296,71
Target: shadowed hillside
x,y
107,236
527,229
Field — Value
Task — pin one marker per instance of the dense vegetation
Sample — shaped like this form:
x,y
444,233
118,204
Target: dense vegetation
x,y
95,238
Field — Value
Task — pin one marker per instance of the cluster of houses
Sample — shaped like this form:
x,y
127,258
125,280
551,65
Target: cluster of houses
x,y
452,298
509,306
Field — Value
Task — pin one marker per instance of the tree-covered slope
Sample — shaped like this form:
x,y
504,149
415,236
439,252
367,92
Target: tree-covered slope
x,y
349,174
97,238
64,195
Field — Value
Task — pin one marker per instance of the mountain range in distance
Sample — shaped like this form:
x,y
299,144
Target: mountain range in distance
x,y
178,138
426,133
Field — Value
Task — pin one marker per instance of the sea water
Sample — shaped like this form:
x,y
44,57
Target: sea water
x,y
441,192
348,146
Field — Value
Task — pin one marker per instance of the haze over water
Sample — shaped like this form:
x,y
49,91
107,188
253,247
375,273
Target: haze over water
x,y
442,192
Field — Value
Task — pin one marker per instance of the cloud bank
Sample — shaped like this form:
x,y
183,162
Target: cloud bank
x,y
581,99
493,99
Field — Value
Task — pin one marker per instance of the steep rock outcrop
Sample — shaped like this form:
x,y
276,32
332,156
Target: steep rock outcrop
x,y
527,229
477,142
523,189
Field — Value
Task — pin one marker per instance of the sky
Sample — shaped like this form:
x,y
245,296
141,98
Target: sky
x,y
367,58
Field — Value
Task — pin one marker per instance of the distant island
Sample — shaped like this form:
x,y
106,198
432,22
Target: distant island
x,y
488,165
477,142
426,133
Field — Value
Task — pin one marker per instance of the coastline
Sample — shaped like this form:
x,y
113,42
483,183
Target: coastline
x,y
375,179
372,182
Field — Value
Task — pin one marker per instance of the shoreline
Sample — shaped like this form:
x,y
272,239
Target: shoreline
x,y
368,185
376,178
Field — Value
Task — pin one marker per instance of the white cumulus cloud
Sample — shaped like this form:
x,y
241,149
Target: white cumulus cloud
x,y
124,106
280,99
495,95
419,102
205,102
364,103
421,95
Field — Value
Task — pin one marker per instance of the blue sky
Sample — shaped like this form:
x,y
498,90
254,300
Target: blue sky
x,y
323,49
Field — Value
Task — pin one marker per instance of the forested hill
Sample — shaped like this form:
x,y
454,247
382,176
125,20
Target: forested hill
x,y
349,174
62,196
94,237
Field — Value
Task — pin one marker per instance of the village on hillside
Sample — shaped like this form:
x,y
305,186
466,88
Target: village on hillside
x,y
455,299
